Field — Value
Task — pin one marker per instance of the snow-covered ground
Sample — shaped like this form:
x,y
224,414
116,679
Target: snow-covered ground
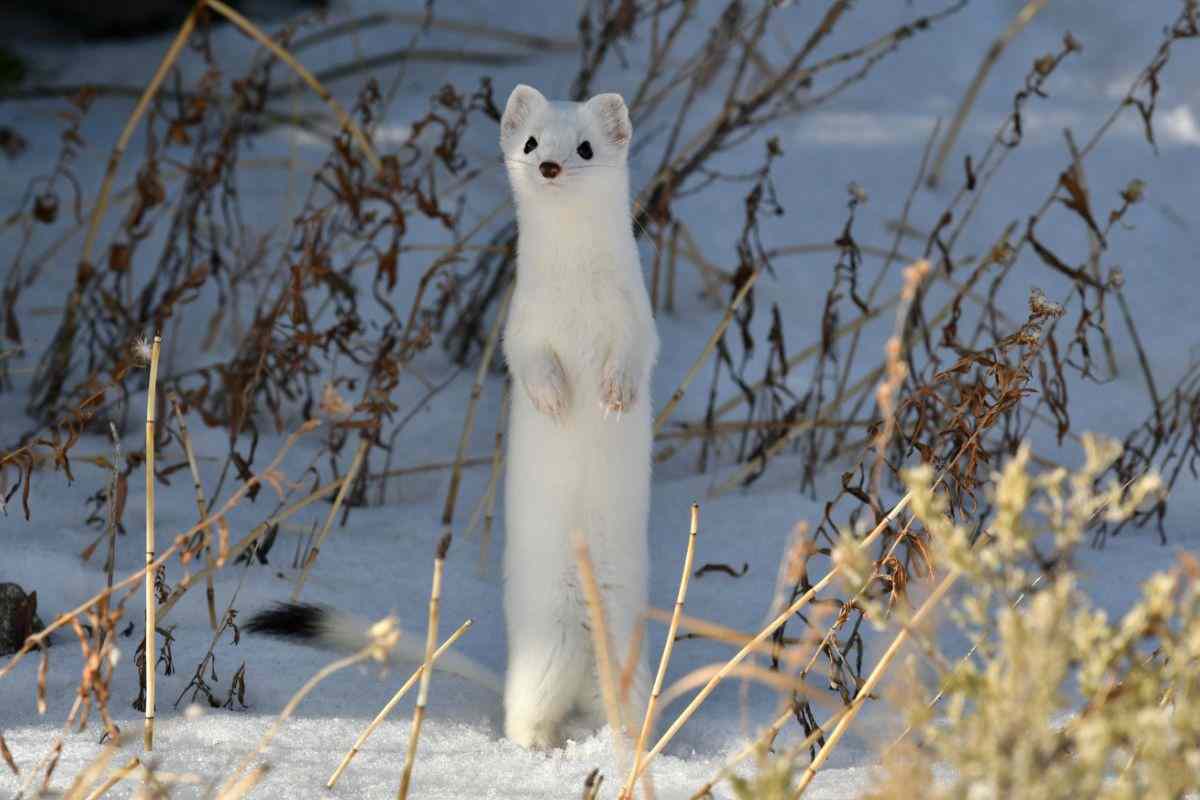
x,y
873,135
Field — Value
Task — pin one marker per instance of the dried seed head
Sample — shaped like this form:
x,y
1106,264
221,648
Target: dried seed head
x,y
384,636
1041,306
1134,192
141,350
333,404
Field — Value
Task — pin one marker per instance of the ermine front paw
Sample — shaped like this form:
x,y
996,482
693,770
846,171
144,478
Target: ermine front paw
x,y
547,387
617,389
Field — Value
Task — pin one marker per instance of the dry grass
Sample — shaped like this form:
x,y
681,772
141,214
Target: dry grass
x,y
435,598
150,645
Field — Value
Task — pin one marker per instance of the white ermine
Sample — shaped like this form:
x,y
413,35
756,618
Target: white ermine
x,y
580,344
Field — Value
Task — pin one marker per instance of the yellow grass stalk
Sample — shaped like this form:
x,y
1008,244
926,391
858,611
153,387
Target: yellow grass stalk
x,y
485,363
201,506
668,645
180,542
435,598
254,32
669,408
311,557
391,704
761,743
236,780
868,686
601,646
708,630
151,647
114,159
117,776
762,636
91,773
247,782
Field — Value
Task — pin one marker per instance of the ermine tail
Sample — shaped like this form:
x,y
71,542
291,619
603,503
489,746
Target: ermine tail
x,y
327,629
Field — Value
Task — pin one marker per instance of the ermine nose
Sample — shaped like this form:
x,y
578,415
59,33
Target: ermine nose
x,y
550,169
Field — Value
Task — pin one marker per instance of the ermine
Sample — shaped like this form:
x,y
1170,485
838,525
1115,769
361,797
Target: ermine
x,y
580,343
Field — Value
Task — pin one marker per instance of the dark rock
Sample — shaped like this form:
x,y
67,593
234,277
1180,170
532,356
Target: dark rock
x,y
18,617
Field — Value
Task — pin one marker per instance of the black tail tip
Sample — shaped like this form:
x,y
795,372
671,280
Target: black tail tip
x,y
288,621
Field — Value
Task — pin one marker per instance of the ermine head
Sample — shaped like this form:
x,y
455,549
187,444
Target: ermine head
x,y
558,151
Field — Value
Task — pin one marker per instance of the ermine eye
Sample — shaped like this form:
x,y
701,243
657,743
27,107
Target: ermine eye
x,y
585,151
530,145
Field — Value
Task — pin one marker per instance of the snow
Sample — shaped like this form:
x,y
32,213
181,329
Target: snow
x,y
381,562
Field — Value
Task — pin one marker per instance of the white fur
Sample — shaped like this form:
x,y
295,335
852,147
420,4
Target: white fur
x,y
580,344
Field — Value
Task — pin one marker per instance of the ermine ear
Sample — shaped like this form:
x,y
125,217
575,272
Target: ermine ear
x,y
523,101
610,110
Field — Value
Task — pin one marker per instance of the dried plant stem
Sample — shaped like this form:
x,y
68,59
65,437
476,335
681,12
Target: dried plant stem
x,y
114,159
187,581
763,635
488,504
151,646
283,55
201,506
485,364
709,630
868,686
762,741
382,18
941,692
363,445
58,358
311,558
601,646
669,408
117,776
391,704
744,471
245,784
432,466
180,542
89,774
233,781
435,598
1024,16
810,351
668,645
700,430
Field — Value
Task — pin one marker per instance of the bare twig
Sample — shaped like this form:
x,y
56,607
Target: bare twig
x,y
1023,18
